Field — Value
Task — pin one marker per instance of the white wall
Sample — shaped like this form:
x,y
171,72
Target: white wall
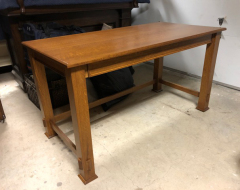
x,y
200,12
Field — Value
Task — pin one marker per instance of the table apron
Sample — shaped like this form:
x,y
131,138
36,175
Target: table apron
x,y
113,64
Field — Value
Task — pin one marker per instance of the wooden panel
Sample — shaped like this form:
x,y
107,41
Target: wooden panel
x,y
75,50
139,57
179,87
89,17
17,48
82,19
38,10
125,17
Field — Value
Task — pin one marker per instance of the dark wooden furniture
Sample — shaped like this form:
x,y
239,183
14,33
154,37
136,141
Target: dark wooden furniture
x,y
112,50
2,114
89,16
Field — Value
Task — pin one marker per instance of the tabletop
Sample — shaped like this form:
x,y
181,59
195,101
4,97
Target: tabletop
x,y
81,49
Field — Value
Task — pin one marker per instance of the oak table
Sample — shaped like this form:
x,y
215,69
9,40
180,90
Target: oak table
x,y
81,56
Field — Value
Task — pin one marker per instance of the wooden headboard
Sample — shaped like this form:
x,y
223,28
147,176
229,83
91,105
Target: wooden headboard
x,y
22,6
88,16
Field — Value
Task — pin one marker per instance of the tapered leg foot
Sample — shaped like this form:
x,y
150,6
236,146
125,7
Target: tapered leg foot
x,y
202,109
50,136
89,180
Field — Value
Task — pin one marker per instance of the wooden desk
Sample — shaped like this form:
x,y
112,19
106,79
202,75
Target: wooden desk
x,y
86,55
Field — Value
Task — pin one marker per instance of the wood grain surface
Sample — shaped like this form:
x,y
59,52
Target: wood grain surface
x,y
92,47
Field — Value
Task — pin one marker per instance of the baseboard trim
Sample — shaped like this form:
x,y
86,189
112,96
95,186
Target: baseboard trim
x,y
197,77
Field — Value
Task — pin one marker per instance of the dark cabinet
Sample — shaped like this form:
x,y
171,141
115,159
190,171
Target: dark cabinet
x,y
89,16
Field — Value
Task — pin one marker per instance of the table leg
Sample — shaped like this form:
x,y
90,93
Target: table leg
x,y
40,79
208,71
77,92
157,74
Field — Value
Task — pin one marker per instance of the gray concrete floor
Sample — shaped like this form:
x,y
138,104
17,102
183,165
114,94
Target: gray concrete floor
x,y
149,141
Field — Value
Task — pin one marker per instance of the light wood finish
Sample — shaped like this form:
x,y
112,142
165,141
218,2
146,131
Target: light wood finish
x,y
62,116
59,68
157,74
208,71
76,50
64,137
77,91
147,55
43,94
81,56
179,87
